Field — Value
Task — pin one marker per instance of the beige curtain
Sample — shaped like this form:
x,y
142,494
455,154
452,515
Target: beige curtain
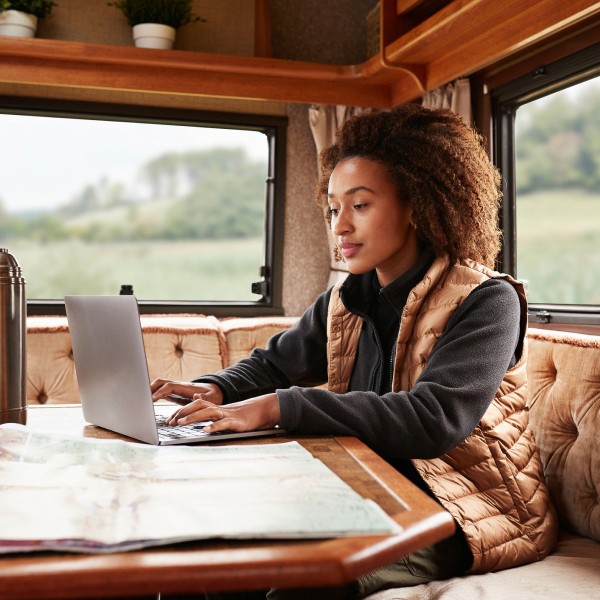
x,y
456,96
324,121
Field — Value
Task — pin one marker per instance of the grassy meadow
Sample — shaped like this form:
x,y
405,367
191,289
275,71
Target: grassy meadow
x,y
558,246
165,270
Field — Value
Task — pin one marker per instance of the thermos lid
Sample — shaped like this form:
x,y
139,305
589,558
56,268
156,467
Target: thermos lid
x,y
9,267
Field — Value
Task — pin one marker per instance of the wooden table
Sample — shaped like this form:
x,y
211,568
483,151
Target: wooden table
x,y
234,565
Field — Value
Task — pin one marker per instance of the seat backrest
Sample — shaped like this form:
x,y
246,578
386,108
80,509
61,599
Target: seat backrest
x,y
564,396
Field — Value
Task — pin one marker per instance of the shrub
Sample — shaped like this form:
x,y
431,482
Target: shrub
x,y
174,13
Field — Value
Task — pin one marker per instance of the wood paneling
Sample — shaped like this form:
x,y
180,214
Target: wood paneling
x,y
460,38
73,64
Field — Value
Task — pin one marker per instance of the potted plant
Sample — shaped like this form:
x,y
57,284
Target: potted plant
x,y
18,18
155,22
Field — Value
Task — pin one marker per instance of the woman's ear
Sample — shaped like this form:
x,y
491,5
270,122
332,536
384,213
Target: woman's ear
x,y
411,219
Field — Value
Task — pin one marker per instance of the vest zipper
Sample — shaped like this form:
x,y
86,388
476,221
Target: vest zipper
x,y
367,319
381,353
392,359
373,386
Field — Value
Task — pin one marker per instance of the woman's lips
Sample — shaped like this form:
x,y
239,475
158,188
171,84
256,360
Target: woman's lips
x,y
349,250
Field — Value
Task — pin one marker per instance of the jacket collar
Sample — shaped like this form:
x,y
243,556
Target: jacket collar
x,y
357,291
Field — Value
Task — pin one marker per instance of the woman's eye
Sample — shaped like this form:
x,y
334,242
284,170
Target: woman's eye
x,y
333,211
359,206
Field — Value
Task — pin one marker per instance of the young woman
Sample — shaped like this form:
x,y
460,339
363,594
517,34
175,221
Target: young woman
x,y
422,346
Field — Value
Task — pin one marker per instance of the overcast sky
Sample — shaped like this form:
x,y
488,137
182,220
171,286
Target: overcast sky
x,y
45,161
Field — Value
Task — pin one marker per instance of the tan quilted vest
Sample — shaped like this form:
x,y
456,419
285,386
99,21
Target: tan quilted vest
x,y
493,482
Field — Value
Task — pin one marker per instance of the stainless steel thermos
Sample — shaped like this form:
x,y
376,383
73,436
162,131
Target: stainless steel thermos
x,y
13,314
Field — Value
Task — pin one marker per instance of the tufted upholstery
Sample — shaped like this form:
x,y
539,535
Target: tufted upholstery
x,y
182,348
241,335
564,394
177,347
50,368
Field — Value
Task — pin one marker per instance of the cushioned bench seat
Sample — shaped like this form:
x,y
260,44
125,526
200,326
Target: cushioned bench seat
x,y
572,572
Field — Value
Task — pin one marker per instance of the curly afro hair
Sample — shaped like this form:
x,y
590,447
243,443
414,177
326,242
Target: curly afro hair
x,y
441,170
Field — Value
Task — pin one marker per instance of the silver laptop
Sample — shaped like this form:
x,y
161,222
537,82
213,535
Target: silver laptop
x,y
112,373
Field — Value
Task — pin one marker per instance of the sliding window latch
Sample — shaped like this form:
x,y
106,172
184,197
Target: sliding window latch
x,y
543,316
261,287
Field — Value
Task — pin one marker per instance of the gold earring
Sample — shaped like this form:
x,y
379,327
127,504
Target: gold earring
x,y
337,255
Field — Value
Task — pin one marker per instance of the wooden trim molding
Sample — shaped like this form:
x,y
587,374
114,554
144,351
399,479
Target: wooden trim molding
x,y
123,68
462,37
467,36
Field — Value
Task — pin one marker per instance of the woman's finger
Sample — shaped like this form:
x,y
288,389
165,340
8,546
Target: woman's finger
x,y
197,410
176,390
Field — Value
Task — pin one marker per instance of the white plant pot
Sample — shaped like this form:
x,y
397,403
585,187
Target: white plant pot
x,y
14,23
153,35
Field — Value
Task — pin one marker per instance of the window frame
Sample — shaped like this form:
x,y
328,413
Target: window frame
x,y
506,99
269,277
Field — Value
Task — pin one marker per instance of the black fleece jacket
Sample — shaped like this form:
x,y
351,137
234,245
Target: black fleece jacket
x,y
446,403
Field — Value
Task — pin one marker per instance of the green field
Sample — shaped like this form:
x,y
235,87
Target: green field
x,y
558,246
186,270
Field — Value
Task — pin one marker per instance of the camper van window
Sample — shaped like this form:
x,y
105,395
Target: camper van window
x,y
552,200
176,210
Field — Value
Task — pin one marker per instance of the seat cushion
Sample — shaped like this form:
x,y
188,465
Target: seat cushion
x,y
572,572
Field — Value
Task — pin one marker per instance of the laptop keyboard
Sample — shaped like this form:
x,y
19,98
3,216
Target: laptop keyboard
x,y
173,432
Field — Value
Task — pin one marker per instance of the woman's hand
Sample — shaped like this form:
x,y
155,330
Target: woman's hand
x,y
261,412
183,392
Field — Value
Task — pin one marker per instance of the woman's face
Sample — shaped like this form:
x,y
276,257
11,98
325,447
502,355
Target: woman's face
x,y
370,224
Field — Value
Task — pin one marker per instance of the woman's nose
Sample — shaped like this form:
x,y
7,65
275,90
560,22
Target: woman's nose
x,y
340,224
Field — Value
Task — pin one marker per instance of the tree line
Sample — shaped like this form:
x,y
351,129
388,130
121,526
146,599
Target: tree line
x,y
558,144
204,194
